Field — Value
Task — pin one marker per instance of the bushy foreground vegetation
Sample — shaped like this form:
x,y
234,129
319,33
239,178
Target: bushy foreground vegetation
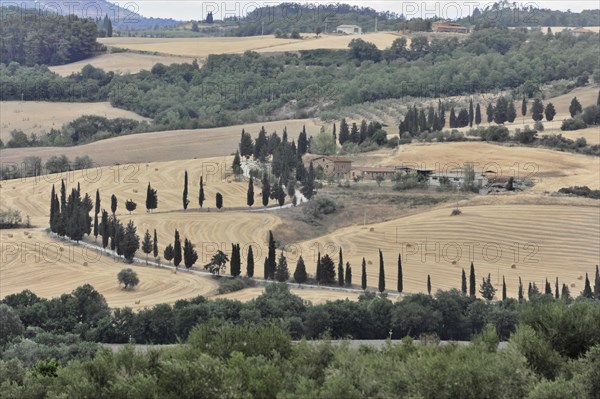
x,y
245,350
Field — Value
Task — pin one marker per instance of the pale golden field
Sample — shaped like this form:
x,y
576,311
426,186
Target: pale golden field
x,y
40,116
564,232
120,63
541,241
202,47
51,267
551,170
313,295
165,146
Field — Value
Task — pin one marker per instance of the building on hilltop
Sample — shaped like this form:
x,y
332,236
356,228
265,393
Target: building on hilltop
x,y
333,165
448,27
349,29
581,31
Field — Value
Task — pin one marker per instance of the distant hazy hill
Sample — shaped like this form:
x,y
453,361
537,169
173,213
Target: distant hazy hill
x,y
122,18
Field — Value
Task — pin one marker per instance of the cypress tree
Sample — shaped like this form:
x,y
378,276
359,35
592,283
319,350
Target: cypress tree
x,y
266,273
219,200
266,191
130,243
155,245
587,290
96,211
186,202
340,270
463,287
503,289
302,142
234,267
335,135
550,112
52,209
147,244
113,204
471,114
344,132
201,196
501,111
348,275
250,263
177,255
105,229
511,113
363,282
237,164
300,272
575,107
190,256
537,110
319,270
452,118
490,113
548,289
524,107
327,270
520,290
478,115
282,273
169,252
472,288
597,284
429,284
250,193
565,294
400,277
529,290
556,292
381,273
272,260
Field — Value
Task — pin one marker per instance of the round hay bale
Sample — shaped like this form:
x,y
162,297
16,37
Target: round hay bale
x,y
513,266
369,262
573,285
85,263
454,262
10,236
156,169
372,229
580,278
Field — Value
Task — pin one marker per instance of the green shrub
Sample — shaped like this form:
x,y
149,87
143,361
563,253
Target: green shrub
x,y
573,124
227,284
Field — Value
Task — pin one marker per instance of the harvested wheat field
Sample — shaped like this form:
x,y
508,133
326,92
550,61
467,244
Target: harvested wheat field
x,y
32,195
313,295
48,267
165,146
540,241
202,47
40,116
551,170
120,63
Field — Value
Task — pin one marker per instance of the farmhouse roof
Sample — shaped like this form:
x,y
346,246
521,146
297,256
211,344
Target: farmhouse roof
x,y
348,26
334,159
582,30
374,170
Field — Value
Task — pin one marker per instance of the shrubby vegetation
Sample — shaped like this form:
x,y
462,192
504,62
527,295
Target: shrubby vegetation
x,y
246,348
583,191
11,219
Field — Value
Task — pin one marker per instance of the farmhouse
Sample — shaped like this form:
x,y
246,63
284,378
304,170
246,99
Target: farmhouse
x,y
372,173
333,166
581,31
450,27
349,29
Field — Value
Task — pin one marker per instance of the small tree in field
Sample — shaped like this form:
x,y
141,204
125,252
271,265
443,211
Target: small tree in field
x,y
300,273
168,254
128,278
130,205
282,273
219,200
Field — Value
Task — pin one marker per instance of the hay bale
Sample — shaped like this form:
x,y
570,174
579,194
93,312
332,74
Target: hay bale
x,y
573,285
454,262
85,263
156,169
513,266
372,229
10,236
580,278
137,302
174,271
369,262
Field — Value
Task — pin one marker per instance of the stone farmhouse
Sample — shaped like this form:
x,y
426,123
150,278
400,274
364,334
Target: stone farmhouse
x,y
349,29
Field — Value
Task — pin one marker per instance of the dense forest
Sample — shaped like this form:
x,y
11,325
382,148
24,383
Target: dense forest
x,y
235,89
32,39
511,14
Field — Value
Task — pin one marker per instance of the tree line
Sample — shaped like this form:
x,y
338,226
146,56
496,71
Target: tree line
x,y
188,96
